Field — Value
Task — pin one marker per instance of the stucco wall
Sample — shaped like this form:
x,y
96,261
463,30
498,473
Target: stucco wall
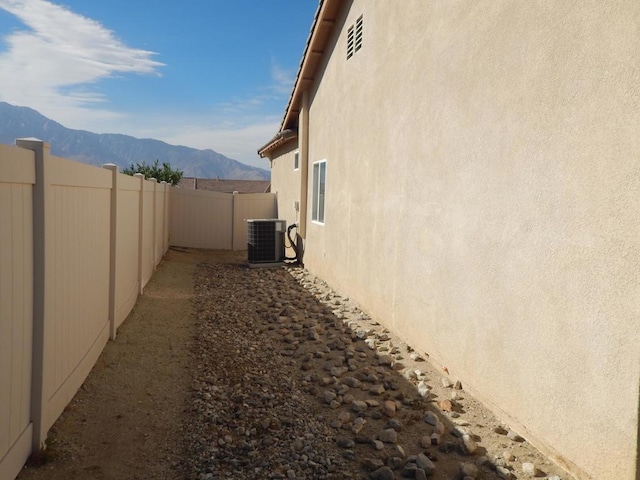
x,y
482,200
285,183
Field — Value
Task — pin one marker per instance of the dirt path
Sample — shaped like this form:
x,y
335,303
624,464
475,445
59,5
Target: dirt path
x,y
222,371
126,420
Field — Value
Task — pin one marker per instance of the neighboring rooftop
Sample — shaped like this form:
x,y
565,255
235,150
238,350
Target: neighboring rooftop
x,y
226,186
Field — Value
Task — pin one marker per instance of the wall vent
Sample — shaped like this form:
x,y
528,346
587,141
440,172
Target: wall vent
x,y
354,37
265,240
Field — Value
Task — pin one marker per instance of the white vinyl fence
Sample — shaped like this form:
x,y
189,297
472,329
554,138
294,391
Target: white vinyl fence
x,y
77,245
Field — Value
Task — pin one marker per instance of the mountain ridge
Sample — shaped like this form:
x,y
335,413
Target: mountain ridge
x,y
122,150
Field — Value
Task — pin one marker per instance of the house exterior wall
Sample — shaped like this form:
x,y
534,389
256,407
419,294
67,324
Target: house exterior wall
x,y
482,202
285,184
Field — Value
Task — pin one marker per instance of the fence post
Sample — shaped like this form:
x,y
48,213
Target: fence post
x,y
113,250
153,222
41,194
165,194
233,219
140,229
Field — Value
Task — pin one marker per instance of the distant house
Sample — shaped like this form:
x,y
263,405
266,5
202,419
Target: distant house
x,y
469,172
226,186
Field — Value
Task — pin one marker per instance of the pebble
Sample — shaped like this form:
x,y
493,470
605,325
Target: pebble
x,y
468,445
503,473
424,463
511,435
383,473
344,442
446,383
388,435
389,408
359,406
431,418
530,469
468,470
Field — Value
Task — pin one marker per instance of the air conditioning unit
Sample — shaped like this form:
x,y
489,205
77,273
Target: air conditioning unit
x,y
265,241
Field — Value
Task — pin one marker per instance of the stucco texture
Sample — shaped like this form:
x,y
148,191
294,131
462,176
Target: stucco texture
x,y
483,186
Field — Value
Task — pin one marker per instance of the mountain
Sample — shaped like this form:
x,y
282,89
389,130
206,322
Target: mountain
x,y
123,150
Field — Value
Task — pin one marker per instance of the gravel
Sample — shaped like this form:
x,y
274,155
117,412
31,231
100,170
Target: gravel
x,y
294,381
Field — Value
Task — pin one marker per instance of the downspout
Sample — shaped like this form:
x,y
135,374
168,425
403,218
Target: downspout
x,y
303,136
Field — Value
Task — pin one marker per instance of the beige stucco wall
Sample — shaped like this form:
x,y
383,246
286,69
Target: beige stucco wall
x,y
483,186
285,183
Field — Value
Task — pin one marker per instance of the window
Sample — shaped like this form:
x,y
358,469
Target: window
x,y
354,37
319,180
296,160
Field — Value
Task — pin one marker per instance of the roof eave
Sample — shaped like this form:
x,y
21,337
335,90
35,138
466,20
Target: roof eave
x,y
280,139
323,23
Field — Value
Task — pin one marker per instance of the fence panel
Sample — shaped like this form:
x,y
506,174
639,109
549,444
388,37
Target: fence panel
x,y
127,285
159,222
148,230
16,307
200,219
247,206
76,298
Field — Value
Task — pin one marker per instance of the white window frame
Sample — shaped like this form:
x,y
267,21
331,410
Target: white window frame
x,y
296,160
319,192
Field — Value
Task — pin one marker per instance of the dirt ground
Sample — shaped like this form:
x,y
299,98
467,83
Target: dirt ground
x,y
222,371
126,420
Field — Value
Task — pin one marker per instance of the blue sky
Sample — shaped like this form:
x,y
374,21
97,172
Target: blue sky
x,y
204,73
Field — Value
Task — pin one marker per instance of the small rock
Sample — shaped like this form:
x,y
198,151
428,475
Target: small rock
x,y
394,463
435,438
425,441
395,424
431,418
352,382
358,406
457,385
468,445
500,431
529,469
388,435
503,473
378,445
423,462
423,389
383,473
385,360
377,389
468,470
511,435
344,442
409,470
328,396
389,408
371,464
446,383
508,456
445,405
420,474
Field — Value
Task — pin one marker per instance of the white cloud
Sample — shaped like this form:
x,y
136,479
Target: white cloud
x,y
61,53
283,79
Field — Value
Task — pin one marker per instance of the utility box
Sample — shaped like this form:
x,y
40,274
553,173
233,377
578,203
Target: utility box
x,y
265,241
